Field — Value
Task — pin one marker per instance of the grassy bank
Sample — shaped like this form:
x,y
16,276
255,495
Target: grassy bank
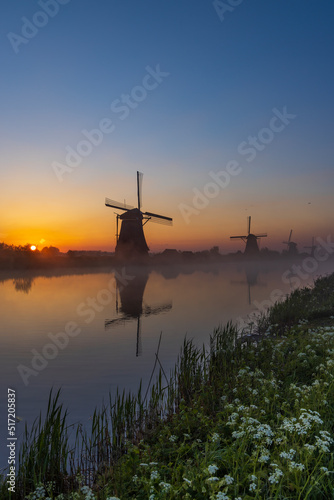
x,y
237,420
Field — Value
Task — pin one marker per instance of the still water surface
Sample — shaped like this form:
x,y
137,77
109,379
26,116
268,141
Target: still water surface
x,y
116,334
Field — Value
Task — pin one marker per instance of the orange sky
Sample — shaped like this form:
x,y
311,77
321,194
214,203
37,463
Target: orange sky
x,y
71,216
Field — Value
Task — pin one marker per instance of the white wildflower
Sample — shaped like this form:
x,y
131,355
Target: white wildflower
x,y
165,487
274,478
88,493
264,457
238,434
288,455
228,479
295,466
215,437
322,444
252,487
154,475
222,496
212,469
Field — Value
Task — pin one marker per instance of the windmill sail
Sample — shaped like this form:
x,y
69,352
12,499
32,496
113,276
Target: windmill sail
x,y
118,205
139,188
151,214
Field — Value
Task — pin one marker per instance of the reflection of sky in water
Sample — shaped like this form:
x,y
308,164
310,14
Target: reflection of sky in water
x,y
101,358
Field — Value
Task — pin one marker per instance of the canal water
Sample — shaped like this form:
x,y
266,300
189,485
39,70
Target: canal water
x,y
90,331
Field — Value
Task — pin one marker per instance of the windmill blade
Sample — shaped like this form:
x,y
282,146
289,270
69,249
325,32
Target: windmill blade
x,y
117,204
237,237
313,246
249,224
118,321
139,188
148,310
264,235
290,236
164,222
151,214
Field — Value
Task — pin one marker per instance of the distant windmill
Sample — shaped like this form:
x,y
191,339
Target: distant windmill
x,y
250,239
291,246
131,240
132,308
312,247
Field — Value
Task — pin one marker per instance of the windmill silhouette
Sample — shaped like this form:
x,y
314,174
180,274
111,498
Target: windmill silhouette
x,y
130,241
291,246
250,239
312,247
131,307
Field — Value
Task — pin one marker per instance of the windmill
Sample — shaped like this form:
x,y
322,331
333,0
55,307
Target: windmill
x,y
131,240
312,247
250,239
132,307
291,246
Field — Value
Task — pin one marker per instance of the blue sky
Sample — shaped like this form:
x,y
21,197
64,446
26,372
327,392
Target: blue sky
x,y
225,78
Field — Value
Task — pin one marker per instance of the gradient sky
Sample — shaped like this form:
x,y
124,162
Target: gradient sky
x,y
227,72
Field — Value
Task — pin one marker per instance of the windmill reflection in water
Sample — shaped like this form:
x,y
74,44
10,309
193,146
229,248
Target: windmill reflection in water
x,y
251,272
129,303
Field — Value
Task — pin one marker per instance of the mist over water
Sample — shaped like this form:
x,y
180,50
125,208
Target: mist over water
x,y
90,331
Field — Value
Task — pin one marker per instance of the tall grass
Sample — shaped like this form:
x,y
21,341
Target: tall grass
x,y
45,452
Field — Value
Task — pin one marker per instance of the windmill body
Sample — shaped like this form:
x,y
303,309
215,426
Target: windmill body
x,y
291,246
252,247
251,244
131,238
131,242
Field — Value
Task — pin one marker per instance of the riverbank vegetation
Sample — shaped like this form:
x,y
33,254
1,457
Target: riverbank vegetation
x,y
242,418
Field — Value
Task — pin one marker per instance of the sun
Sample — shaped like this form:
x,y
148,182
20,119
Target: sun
x,y
33,248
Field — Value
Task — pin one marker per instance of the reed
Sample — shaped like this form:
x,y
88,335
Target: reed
x,y
45,453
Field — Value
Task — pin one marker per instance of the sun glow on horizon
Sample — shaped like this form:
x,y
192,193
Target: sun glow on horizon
x,y
33,247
